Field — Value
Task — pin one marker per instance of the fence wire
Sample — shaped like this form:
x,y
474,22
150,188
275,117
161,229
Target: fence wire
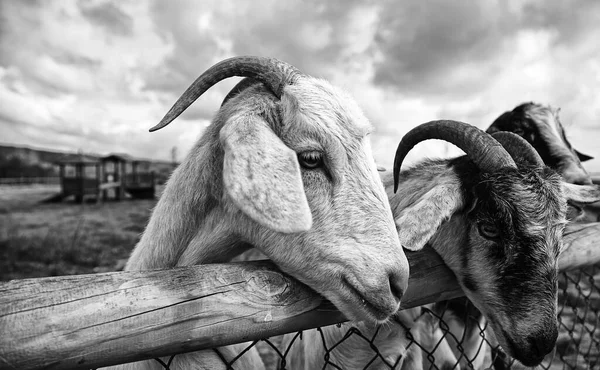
x,y
471,346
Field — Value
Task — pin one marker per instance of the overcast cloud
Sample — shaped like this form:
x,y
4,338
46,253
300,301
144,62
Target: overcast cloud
x,y
95,75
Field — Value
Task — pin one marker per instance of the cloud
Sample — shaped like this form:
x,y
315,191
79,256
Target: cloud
x,y
313,36
442,49
107,15
474,62
570,19
72,82
98,74
420,45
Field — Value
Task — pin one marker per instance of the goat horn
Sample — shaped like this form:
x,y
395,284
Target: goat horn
x,y
272,72
518,148
487,154
241,86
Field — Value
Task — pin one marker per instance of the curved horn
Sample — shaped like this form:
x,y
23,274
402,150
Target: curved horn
x,y
487,154
241,86
518,148
272,72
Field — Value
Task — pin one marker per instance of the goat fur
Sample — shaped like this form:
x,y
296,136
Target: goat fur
x,y
442,194
540,125
241,185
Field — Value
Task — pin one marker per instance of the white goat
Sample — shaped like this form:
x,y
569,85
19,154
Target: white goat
x,y
286,167
497,226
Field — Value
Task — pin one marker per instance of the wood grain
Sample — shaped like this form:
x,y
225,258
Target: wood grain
x,y
581,246
89,321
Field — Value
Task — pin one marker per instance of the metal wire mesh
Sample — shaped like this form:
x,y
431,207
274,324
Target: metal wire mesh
x,y
457,337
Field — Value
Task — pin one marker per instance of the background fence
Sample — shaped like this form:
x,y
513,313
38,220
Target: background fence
x,y
89,321
53,180
577,347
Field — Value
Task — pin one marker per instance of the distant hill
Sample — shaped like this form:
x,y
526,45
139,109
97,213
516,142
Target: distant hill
x,y
16,161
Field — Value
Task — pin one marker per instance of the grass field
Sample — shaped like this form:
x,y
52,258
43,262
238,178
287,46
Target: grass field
x,y
47,239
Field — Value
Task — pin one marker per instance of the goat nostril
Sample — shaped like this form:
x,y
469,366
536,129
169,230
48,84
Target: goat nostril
x,y
397,292
398,286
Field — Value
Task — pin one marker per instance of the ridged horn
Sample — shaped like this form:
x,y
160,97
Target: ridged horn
x,y
518,148
487,154
272,72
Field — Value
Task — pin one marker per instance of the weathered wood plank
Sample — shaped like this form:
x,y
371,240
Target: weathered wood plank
x,y
97,320
581,246
83,321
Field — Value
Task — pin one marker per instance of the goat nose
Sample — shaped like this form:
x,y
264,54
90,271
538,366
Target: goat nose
x,y
543,344
540,346
398,285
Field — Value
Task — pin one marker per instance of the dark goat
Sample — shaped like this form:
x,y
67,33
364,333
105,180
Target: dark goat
x,y
541,127
498,226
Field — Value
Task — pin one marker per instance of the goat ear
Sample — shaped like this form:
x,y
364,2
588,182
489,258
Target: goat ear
x,y
262,175
417,223
581,194
582,157
574,212
577,196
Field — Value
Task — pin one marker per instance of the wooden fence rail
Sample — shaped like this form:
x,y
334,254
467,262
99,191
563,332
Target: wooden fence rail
x,y
88,321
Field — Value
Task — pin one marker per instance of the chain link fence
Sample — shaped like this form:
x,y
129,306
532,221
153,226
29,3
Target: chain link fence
x,y
445,335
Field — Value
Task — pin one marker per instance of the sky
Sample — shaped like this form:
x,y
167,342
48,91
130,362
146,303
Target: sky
x,y
96,75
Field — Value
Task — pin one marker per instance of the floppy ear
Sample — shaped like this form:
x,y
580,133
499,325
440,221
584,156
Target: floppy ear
x,y
582,157
574,212
581,194
577,196
262,175
417,223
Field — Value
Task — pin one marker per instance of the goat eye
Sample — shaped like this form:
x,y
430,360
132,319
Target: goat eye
x,y
311,159
488,231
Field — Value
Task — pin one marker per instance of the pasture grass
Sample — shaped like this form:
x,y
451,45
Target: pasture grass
x,y
48,239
